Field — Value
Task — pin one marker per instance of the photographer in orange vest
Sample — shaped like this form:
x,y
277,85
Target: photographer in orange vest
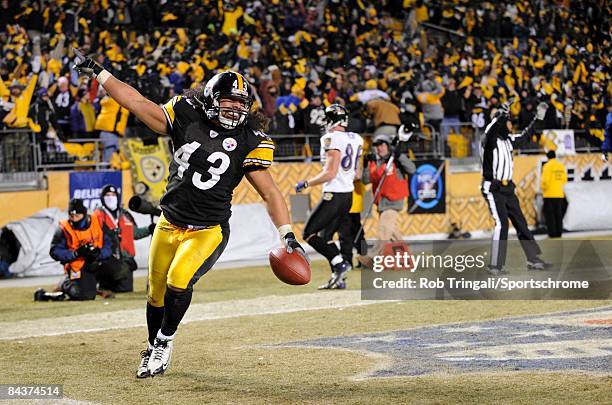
x,y
394,189
121,229
79,244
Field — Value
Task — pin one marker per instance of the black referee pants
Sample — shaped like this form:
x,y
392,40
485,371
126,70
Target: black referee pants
x,y
504,205
325,220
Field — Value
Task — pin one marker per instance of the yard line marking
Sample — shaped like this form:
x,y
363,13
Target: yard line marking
x,y
124,319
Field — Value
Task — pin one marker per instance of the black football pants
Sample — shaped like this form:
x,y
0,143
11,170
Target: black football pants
x,y
327,217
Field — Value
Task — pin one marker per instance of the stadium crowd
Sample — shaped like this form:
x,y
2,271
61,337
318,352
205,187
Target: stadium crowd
x,y
382,59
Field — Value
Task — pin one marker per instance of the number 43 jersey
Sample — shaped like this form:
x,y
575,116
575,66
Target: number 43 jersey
x,y
350,146
208,164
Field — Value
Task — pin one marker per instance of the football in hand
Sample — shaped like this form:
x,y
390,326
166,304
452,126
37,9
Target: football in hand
x,y
290,268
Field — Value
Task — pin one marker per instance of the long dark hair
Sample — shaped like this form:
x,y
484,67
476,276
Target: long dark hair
x,y
196,92
255,121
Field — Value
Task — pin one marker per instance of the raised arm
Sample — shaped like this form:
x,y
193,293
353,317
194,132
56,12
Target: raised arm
x,y
146,110
529,130
124,94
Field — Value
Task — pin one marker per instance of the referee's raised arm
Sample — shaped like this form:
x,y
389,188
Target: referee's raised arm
x,y
124,94
490,134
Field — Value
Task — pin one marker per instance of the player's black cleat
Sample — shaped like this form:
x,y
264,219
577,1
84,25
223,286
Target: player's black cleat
x,y
143,368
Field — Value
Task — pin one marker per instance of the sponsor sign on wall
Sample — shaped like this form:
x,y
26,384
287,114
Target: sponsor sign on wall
x,y
87,186
427,188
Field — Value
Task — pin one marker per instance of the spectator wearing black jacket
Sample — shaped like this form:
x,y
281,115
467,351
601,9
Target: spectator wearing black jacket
x,y
42,113
314,115
143,17
63,101
452,102
527,113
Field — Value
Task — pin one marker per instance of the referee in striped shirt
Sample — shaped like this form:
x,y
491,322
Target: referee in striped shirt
x,y
498,188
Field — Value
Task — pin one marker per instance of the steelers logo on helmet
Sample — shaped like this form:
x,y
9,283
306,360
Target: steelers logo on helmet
x,y
228,98
335,115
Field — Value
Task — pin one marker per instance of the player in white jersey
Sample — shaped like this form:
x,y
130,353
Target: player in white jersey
x,y
340,154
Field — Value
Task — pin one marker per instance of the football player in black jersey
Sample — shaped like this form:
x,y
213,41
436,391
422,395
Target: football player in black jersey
x,y
216,140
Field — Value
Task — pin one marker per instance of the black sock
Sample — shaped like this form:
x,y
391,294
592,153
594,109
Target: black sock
x,y
155,315
329,250
175,306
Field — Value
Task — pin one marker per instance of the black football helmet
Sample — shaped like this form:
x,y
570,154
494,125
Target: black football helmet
x,y
230,85
336,115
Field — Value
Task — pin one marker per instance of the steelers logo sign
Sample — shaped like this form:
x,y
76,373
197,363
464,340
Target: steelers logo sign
x,y
153,169
229,144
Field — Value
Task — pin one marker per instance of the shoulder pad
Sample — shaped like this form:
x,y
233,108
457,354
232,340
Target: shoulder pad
x,y
255,137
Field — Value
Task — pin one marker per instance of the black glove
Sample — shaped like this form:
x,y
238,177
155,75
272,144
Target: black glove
x,y
86,66
369,157
292,244
82,251
152,228
88,252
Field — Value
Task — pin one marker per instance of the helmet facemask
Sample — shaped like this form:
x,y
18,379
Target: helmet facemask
x,y
231,116
229,87
332,124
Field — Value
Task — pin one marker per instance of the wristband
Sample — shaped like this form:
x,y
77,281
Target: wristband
x,y
103,77
283,230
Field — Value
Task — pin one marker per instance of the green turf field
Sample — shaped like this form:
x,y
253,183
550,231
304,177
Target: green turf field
x,y
231,350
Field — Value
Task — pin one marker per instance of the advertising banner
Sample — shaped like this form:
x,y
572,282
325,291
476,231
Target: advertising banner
x,y
87,185
427,188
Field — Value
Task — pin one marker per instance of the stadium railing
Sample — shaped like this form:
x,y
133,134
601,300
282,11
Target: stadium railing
x,y
584,142
307,147
24,158
72,154
17,162
297,147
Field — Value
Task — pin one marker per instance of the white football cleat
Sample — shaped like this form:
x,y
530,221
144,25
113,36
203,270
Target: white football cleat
x,y
143,369
160,357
